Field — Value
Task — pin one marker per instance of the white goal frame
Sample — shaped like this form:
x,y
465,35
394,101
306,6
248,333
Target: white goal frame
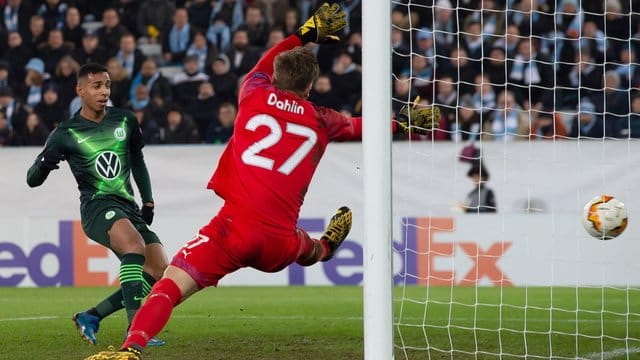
x,y
376,142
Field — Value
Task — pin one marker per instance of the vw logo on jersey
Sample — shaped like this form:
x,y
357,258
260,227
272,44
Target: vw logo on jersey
x,y
120,134
108,165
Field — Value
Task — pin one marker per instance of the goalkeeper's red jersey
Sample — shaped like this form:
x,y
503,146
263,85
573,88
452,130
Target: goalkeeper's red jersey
x,y
277,143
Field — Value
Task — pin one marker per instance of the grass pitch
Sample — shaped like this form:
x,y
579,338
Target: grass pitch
x,y
326,323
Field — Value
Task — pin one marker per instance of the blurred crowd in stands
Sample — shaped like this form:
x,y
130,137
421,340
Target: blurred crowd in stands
x,y
521,69
499,69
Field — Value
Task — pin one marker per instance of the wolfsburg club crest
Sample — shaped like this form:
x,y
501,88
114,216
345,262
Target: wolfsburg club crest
x,y
120,134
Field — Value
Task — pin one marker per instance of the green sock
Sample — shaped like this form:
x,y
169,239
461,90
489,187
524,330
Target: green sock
x,y
131,281
115,301
108,306
147,283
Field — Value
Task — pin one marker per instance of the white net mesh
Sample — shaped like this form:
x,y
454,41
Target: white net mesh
x,y
543,96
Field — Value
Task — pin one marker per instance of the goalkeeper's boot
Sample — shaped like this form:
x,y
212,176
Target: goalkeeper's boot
x,y
87,325
337,231
111,354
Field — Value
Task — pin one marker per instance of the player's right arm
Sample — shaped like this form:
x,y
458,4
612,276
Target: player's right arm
x,y
265,64
322,27
262,72
46,161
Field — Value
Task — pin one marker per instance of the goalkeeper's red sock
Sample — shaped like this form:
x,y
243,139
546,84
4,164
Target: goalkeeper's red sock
x,y
311,250
154,314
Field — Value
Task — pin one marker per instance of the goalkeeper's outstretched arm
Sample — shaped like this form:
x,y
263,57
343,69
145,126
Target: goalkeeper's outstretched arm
x,y
265,65
322,27
416,120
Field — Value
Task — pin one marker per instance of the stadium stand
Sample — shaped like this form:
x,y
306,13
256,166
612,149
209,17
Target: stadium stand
x,y
544,55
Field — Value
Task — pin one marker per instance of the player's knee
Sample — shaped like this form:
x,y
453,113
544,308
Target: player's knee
x,y
125,239
155,261
130,245
168,289
155,270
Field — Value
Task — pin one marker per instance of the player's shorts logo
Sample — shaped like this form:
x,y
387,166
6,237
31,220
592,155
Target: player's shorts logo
x,y
109,214
108,165
120,134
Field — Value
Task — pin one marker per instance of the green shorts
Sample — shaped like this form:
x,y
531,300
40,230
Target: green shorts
x,y
98,216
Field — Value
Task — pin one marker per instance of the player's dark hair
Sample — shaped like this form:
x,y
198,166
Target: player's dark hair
x,y
295,70
91,68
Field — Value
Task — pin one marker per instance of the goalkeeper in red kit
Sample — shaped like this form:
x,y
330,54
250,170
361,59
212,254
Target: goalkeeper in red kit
x,y
263,174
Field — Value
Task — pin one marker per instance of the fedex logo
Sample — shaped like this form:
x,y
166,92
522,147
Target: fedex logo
x,y
418,257
72,254
427,251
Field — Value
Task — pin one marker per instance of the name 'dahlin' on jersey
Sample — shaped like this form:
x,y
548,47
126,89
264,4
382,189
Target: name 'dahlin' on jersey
x,y
286,105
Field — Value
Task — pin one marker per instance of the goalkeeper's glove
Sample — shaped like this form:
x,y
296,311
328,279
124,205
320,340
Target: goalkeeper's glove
x,y
146,213
323,26
417,120
50,160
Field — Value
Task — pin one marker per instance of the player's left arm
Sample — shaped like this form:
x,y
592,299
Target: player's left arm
x,y
143,180
416,119
141,175
339,127
420,120
140,172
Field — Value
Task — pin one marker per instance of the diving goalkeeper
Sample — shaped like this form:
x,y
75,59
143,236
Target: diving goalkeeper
x,y
263,175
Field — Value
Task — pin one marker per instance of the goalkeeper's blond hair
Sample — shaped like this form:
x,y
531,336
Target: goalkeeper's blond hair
x,y
295,70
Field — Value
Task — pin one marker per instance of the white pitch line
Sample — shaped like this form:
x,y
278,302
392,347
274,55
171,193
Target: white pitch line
x,y
613,354
269,317
607,355
348,318
29,318
223,317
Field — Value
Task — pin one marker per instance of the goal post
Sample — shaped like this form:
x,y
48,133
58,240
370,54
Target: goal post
x,y
376,101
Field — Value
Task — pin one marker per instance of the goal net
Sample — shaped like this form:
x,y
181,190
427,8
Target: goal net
x,y
540,105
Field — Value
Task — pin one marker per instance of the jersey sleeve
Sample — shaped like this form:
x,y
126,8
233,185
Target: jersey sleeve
x,y
138,166
137,141
262,72
141,177
36,175
339,127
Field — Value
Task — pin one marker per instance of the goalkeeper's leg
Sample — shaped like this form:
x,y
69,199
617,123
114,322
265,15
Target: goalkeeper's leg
x,y
175,286
313,250
198,264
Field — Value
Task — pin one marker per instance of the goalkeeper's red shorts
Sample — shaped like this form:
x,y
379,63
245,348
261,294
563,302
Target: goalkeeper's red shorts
x,y
230,242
